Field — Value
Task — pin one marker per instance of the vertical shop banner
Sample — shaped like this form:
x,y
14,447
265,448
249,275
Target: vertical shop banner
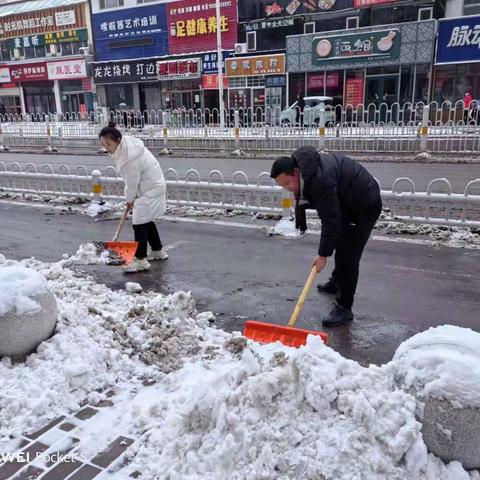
x,y
354,91
459,40
192,25
138,32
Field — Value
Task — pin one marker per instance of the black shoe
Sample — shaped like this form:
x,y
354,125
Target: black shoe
x,y
328,287
338,316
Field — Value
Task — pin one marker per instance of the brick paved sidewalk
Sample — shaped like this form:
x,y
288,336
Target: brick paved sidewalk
x,y
65,444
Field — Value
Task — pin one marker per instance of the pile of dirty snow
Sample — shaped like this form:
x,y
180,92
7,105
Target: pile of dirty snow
x,y
92,253
203,403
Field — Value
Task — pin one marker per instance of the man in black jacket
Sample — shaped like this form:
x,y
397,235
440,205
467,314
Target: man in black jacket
x,y
347,199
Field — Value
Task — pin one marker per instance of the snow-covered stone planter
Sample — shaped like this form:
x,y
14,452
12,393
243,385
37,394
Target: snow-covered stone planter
x,y
28,310
441,367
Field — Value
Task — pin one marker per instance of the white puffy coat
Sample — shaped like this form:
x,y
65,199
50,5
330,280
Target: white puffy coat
x,y
144,181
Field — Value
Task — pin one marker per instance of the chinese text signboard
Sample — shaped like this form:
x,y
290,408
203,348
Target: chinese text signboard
x,y
354,92
131,33
349,48
66,36
193,25
210,82
43,21
67,69
127,71
459,40
209,62
261,65
179,69
269,24
29,72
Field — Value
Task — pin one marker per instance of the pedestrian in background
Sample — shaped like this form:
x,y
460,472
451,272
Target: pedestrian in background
x,y
145,192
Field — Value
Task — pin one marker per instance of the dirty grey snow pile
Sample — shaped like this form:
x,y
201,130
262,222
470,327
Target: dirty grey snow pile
x,y
216,406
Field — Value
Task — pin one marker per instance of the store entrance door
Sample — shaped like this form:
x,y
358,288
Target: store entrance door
x,y
258,104
73,102
382,89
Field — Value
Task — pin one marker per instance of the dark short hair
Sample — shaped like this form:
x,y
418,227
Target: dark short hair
x,y
283,165
111,131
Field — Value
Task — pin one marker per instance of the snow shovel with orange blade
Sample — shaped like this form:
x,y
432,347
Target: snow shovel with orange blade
x,y
263,332
125,250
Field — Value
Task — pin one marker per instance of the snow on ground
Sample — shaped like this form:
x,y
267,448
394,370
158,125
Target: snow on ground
x,y
217,406
285,227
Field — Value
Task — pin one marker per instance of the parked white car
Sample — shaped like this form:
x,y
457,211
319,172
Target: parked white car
x,y
311,112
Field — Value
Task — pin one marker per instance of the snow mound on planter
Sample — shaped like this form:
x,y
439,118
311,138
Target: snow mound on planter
x,y
17,286
442,363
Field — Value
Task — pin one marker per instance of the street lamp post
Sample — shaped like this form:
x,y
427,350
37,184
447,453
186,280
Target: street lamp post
x,y
220,65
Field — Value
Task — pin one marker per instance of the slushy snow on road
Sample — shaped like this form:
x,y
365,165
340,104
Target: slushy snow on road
x,y
202,403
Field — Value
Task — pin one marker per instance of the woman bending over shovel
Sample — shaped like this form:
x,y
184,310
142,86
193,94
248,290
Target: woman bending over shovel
x,y
145,191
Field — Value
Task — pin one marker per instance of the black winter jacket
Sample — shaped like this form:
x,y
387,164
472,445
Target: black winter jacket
x,y
339,188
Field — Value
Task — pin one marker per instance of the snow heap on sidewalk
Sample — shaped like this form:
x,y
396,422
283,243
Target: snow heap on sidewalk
x,y
204,403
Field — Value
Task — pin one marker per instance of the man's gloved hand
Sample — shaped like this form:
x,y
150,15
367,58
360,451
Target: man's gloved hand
x,y
300,218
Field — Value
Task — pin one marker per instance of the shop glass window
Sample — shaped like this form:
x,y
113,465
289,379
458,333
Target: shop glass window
x,y
421,83
76,46
425,13
315,84
406,84
352,22
110,4
119,96
471,7
251,41
334,86
296,86
443,86
67,49
5,53
29,52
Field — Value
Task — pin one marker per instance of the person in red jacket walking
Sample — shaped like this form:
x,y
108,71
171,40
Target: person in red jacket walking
x,y
467,102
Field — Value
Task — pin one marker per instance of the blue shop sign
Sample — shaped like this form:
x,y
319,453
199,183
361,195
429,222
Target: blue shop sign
x,y
459,40
209,62
272,81
137,32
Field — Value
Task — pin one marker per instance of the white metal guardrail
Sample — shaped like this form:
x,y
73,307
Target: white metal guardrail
x,y
438,205
414,128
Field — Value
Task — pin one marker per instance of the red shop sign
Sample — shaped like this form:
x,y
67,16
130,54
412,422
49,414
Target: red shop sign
x,y
210,82
178,69
354,91
29,72
192,25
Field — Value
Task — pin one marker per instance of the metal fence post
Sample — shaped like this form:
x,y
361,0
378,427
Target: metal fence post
x,y
97,187
237,152
321,131
424,133
3,147
165,150
50,147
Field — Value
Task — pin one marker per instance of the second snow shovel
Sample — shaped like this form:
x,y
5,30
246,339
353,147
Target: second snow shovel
x,y
125,250
263,332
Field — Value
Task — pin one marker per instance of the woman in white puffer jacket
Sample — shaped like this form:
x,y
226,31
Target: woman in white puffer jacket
x,y
145,191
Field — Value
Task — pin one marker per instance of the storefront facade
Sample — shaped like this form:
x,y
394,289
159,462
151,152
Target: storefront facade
x,y
457,63
156,69
44,54
256,81
381,64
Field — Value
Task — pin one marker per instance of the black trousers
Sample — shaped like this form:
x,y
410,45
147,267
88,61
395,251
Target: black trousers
x,y
350,244
146,233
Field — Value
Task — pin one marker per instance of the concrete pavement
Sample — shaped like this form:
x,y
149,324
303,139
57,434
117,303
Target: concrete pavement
x,y
239,273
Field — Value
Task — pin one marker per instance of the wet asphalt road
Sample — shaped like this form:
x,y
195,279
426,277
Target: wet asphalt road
x,y
458,174
239,273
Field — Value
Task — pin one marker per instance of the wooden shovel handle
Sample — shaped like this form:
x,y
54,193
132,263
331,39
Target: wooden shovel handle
x,y
303,296
120,225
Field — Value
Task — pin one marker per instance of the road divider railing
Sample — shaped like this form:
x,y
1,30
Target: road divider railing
x,y
437,205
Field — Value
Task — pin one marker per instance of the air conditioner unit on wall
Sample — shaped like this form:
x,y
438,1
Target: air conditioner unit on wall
x,y
240,48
